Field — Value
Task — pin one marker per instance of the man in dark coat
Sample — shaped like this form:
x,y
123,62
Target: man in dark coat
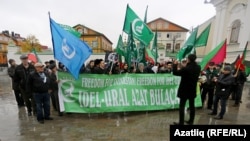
x,y
222,91
15,87
22,73
38,84
187,88
240,79
209,85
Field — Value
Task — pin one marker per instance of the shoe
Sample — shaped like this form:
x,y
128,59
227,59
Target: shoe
x,y
29,114
209,108
236,105
218,117
177,123
60,114
41,121
212,113
49,118
189,122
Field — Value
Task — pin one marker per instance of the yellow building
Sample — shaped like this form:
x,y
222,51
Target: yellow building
x,y
96,40
8,40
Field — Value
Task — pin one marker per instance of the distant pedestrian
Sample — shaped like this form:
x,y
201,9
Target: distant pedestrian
x,y
15,86
187,88
53,88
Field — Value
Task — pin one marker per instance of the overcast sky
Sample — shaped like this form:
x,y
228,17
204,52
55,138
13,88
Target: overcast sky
x,y
106,16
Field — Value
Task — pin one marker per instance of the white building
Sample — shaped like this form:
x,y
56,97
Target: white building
x,y
231,22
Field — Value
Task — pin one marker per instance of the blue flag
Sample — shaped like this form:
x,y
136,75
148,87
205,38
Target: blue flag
x,y
68,49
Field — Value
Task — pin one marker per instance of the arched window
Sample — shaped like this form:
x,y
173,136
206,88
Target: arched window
x,y
235,30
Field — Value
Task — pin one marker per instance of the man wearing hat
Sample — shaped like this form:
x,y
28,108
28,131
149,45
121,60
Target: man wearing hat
x,y
222,91
22,72
53,88
187,89
209,85
38,84
17,92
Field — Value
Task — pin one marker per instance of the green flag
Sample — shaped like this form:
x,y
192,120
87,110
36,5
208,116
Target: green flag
x,y
203,37
188,45
141,58
71,30
120,47
140,29
247,67
38,59
131,49
155,48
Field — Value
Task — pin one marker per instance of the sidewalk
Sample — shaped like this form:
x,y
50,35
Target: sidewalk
x,y
15,125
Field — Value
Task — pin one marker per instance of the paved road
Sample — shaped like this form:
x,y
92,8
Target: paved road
x,y
15,125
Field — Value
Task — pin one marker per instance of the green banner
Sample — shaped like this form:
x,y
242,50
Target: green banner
x,y
95,93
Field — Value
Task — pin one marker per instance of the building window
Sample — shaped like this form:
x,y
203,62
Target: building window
x,y
153,25
159,35
169,35
166,25
159,26
94,44
235,30
168,46
177,46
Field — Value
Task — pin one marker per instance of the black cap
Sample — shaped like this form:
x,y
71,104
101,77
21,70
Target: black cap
x,y
227,68
11,60
24,56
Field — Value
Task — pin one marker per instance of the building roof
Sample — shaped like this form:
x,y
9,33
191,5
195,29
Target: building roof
x,y
182,28
97,33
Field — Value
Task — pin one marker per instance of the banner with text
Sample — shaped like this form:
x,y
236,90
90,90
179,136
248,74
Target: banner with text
x,y
95,93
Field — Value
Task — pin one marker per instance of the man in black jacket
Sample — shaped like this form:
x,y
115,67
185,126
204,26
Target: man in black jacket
x,y
222,91
38,83
53,87
15,87
187,88
240,79
209,85
22,72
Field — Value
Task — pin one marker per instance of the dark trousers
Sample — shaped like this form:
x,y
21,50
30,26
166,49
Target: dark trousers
x,y
42,105
210,92
53,101
182,110
19,99
238,93
223,103
29,101
56,96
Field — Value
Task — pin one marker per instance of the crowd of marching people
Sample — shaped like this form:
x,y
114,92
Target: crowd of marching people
x,y
35,85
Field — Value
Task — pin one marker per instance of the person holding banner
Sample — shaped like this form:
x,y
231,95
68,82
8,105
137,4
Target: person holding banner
x,y
188,86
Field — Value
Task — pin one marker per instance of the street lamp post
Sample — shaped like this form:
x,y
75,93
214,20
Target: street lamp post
x,y
174,40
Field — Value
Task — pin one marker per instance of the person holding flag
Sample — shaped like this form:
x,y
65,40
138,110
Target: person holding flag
x,y
240,77
68,48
